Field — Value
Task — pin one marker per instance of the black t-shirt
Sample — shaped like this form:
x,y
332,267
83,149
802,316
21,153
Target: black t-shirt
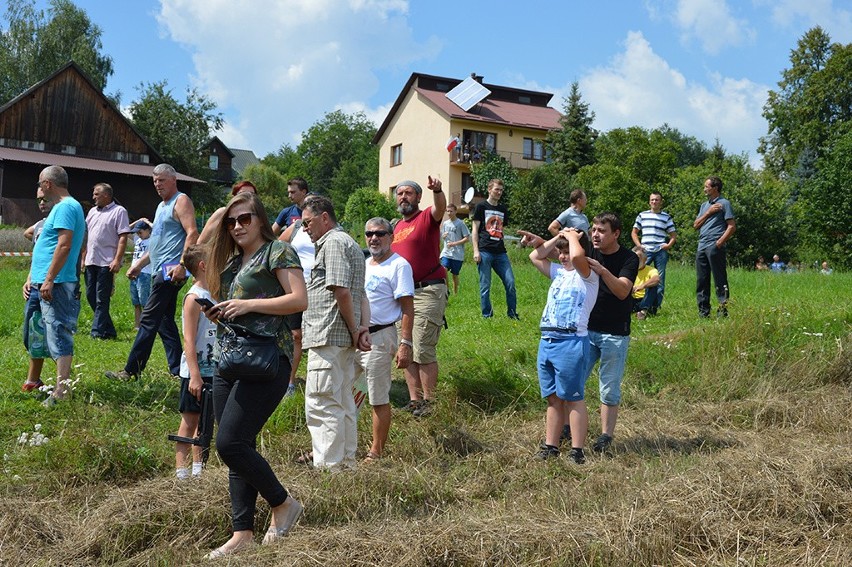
x,y
492,219
612,315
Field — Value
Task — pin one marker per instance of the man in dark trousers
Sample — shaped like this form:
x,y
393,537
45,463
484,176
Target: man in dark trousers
x,y
715,224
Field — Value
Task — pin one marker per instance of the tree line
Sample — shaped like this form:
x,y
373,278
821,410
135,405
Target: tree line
x,y
798,204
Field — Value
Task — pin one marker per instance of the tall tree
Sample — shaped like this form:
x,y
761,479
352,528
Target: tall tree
x,y
33,46
177,129
814,97
573,145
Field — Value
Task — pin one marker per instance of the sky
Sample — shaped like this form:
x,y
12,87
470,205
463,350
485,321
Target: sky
x,y
275,67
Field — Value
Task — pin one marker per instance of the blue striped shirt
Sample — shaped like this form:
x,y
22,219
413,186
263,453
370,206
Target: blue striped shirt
x,y
655,228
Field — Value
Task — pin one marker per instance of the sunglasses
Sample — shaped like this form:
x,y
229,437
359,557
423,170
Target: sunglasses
x,y
379,233
41,200
244,220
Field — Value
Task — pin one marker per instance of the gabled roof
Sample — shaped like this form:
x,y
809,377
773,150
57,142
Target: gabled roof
x,y
220,143
153,153
503,106
243,159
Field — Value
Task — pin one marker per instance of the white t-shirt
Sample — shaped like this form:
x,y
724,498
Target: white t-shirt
x,y
453,231
205,338
140,247
301,243
570,300
384,284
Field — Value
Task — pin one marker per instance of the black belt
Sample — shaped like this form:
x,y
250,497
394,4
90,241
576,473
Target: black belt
x,y
377,328
568,331
425,283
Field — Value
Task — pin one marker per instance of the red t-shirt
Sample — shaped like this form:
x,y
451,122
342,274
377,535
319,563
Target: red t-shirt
x,y
418,241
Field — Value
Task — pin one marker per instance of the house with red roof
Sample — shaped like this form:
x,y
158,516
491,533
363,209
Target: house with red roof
x,y
440,126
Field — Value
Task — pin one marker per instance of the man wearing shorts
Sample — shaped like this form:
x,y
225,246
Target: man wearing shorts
x,y
416,238
609,323
455,234
55,274
389,290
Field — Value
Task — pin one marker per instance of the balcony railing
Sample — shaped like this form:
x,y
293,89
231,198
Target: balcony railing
x,y
517,159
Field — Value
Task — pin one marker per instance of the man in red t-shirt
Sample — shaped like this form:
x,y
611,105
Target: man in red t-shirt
x,y
417,239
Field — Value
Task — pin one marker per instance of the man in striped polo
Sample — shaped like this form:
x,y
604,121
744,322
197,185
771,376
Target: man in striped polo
x,y
658,235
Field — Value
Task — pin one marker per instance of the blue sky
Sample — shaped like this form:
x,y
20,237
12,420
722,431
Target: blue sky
x,y
274,67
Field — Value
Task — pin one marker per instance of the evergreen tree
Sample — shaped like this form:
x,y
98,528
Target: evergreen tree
x,y
574,144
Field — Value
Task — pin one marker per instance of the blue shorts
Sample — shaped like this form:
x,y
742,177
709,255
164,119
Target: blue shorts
x,y
60,318
187,403
32,305
612,350
140,289
453,266
562,366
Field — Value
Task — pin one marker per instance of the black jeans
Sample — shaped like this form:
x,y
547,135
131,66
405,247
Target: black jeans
x,y
158,316
710,260
241,409
99,282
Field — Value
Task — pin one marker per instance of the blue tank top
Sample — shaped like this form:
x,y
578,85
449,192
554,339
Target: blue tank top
x,y
167,237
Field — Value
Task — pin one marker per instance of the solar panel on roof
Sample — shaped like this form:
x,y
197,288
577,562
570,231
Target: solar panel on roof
x,y
468,93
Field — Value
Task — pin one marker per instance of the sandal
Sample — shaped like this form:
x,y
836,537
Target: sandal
x,y
306,459
30,386
371,458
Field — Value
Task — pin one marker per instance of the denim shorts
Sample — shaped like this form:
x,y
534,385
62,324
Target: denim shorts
x,y
60,318
452,264
140,289
612,351
562,366
32,305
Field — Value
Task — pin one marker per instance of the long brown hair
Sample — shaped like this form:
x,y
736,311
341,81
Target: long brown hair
x,y
222,245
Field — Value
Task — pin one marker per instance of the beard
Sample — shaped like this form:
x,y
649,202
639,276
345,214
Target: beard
x,y
406,208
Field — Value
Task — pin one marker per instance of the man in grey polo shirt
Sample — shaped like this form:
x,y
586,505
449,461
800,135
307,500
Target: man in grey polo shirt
x,y
333,331
715,224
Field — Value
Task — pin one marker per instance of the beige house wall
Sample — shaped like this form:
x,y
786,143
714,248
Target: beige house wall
x,y
423,133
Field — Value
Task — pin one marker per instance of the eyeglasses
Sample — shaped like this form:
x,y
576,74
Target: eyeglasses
x,y
379,233
306,222
244,220
41,200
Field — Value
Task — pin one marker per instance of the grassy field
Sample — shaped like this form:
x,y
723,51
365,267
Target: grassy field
x,y
732,448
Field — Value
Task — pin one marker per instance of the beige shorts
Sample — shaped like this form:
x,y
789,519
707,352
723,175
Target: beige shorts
x,y
430,302
377,363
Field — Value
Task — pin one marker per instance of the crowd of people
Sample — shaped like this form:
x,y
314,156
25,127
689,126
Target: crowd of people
x,y
303,283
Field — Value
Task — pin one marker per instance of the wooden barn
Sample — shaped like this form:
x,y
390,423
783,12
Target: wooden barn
x,y
65,120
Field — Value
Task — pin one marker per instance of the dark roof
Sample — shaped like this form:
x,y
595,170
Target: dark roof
x,y
502,106
243,159
78,162
215,139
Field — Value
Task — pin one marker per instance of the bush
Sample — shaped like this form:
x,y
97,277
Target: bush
x,y
367,203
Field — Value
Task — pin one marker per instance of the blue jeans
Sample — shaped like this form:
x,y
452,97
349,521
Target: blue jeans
x,y
99,282
241,409
501,265
60,318
612,351
158,316
140,289
648,301
659,258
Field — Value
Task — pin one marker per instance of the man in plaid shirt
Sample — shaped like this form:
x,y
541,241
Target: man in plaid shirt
x,y
335,325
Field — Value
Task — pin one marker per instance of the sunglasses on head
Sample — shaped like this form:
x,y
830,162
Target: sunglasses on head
x,y
379,233
244,220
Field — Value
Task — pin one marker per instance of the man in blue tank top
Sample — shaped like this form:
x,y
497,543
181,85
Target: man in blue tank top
x,y
174,231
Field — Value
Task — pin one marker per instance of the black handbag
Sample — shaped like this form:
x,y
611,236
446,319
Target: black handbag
x,y
244,355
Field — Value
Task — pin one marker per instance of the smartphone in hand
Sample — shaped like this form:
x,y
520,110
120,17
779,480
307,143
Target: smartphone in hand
x,y
204,302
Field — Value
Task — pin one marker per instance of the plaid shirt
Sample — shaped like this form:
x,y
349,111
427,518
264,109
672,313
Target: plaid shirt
x,y
339,262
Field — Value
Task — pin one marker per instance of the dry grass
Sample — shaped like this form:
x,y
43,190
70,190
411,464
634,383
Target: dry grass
x,y
757,482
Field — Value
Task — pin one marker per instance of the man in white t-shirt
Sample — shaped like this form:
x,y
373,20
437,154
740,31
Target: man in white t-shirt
x,y
389,297
455,235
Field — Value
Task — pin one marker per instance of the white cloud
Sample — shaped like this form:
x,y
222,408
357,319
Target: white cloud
x,y
833,19
639,88
278,65
711,23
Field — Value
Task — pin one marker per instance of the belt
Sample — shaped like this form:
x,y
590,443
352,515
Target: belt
x,y
377,328
425,283
568,331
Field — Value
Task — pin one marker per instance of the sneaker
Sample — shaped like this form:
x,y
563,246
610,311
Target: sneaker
x,y
576,455
566,434
30,386
121,375
641,315
603,443
546,452
412,406
425,410
291,390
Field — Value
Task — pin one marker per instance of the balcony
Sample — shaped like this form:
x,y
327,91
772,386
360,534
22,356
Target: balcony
x,y
518,160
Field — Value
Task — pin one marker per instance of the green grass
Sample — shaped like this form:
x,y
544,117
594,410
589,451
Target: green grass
x,y
732,447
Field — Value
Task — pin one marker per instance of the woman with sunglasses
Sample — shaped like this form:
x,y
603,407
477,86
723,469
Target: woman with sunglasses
x,y
260,281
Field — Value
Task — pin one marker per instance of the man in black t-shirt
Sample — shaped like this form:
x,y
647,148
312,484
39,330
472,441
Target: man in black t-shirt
x,y
489,218
609,323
